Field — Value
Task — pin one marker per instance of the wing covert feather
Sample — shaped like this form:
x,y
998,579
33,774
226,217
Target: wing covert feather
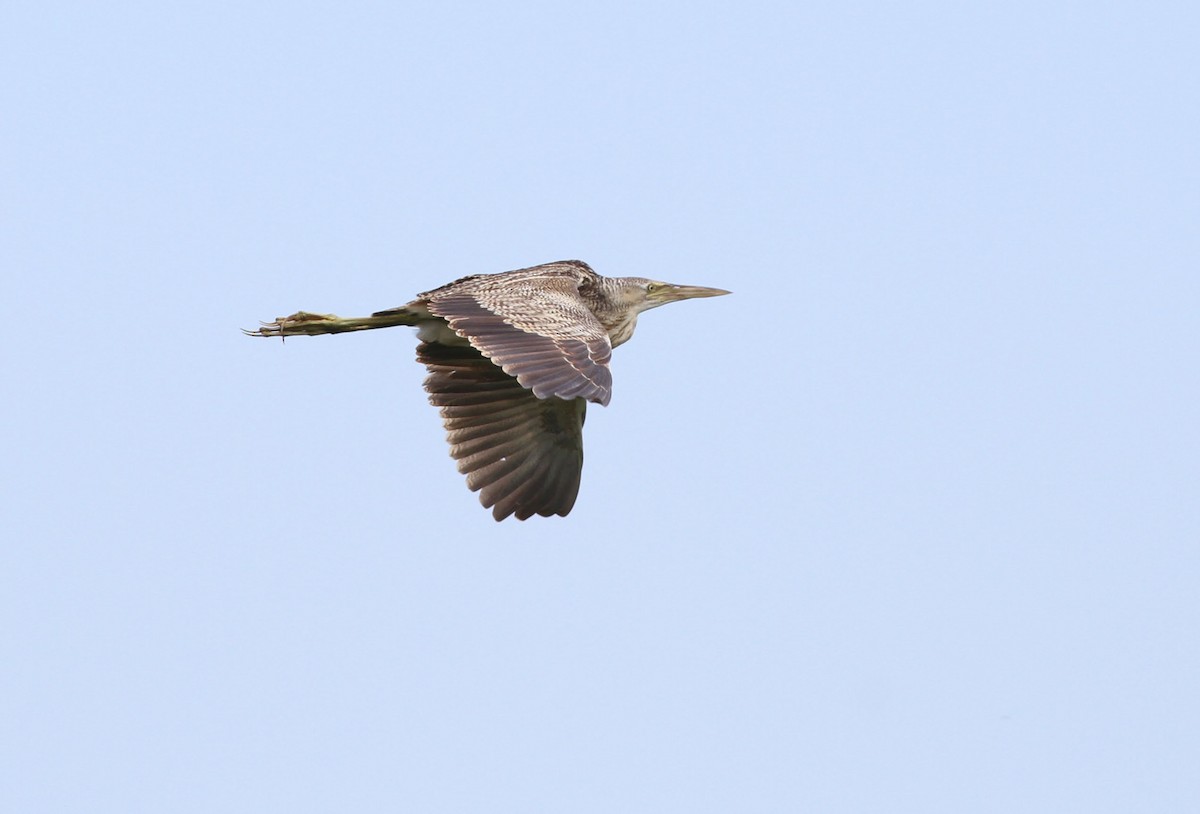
x,y
546,337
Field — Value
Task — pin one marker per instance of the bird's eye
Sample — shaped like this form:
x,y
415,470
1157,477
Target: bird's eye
x,y
652,287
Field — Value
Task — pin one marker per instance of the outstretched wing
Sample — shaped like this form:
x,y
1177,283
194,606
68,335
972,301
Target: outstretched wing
x,y
541,333
524,454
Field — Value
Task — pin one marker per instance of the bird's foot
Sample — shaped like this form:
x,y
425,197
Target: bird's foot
x,y
304,323
301,322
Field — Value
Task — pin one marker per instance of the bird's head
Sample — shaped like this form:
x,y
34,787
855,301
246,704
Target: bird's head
x,y
640,294
626,297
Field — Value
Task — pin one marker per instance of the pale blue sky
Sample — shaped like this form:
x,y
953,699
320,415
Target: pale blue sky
x,y
907,524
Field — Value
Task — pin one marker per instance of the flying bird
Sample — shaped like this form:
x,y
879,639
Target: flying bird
x,y
513,360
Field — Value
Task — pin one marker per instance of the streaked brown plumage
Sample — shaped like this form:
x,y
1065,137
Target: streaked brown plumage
x,y
513,359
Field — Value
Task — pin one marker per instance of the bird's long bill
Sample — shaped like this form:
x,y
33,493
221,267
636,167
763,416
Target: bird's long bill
x,y
672,293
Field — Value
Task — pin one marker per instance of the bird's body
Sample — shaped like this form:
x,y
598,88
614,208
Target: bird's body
x,y
513,359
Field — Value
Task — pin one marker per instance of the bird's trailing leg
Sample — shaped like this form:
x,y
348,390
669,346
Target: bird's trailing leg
x,y
305,323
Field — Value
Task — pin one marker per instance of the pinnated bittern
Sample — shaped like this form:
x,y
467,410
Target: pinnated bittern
x,y
513,360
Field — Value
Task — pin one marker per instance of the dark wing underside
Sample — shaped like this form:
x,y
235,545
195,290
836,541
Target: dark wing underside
x,y
544,335
524,454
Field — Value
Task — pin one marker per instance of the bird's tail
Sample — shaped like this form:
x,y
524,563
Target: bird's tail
x,y
306,324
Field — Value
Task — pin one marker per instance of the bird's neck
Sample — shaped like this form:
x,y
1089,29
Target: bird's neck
x,y
621,331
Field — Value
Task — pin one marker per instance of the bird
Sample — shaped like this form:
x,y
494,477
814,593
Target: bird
x,y
513,360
